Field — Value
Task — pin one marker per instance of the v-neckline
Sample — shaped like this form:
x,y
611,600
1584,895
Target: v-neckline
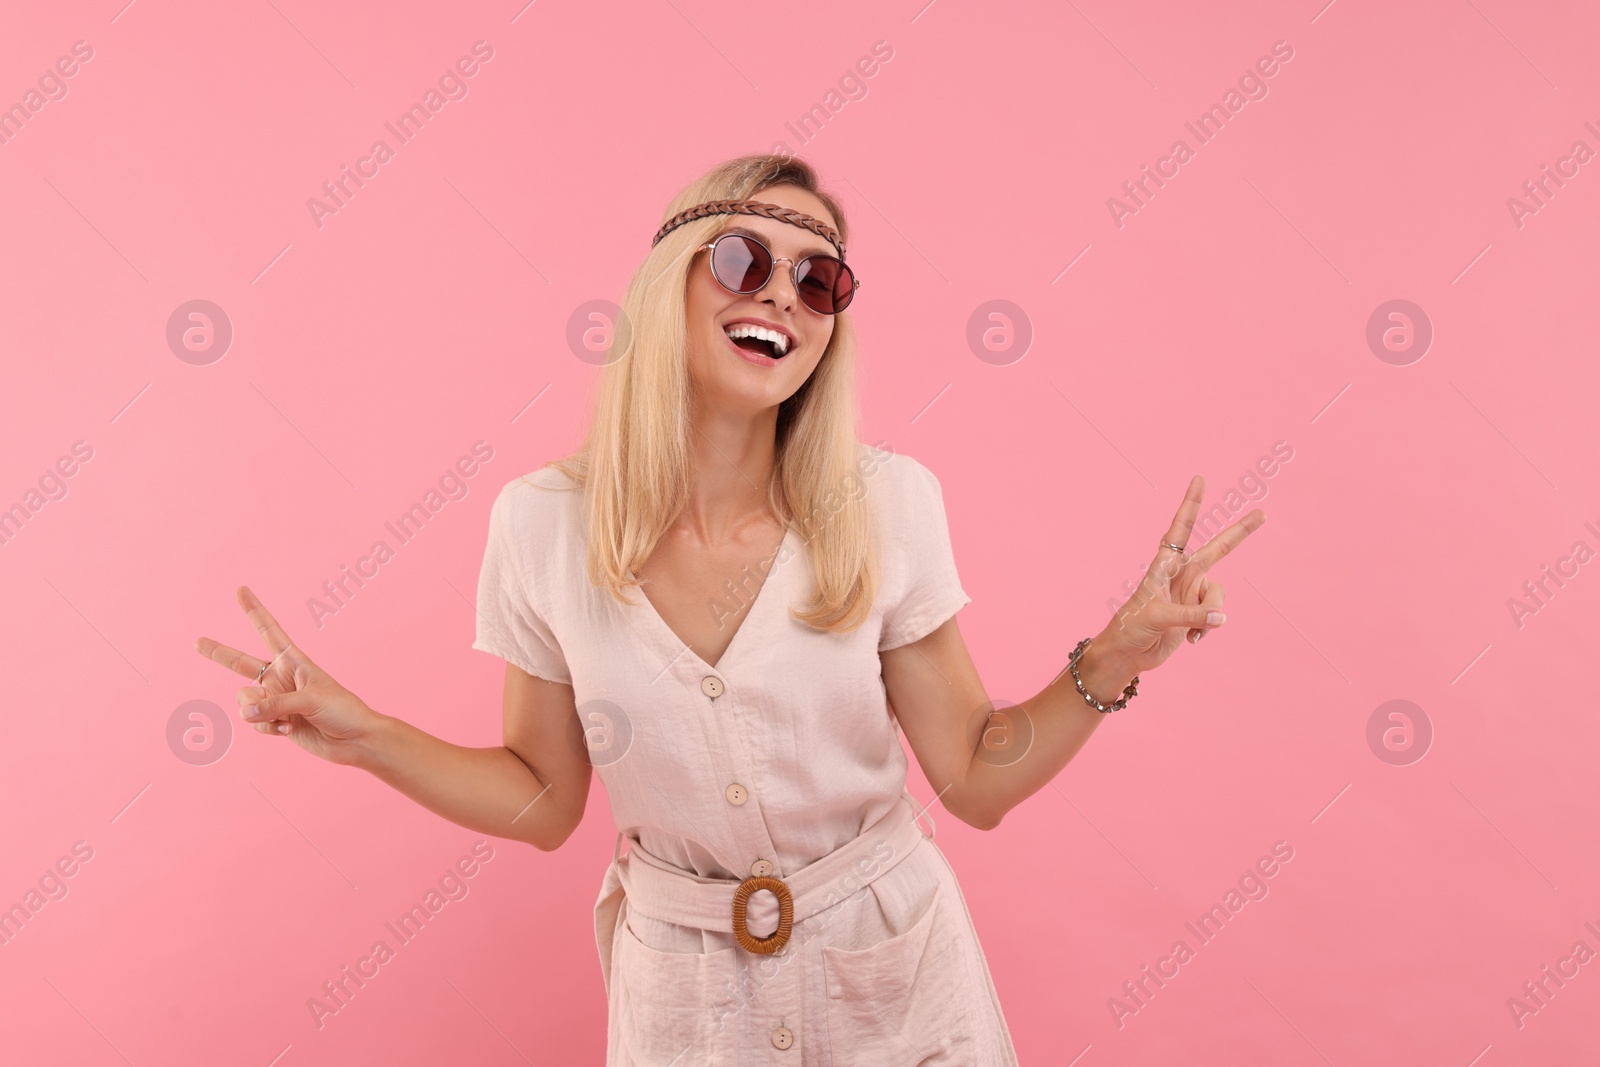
x,y
681,646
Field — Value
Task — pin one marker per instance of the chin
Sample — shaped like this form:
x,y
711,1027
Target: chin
x,y
727,392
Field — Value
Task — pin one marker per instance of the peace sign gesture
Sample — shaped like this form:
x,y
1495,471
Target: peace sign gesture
x,y
290,695
1176,598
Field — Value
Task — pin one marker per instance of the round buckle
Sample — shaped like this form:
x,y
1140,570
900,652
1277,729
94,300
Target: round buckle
x,y
763,946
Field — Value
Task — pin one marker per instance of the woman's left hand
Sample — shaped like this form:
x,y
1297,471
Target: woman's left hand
x,y
1175,598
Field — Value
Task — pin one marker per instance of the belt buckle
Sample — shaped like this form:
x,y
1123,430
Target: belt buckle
x,y
763,946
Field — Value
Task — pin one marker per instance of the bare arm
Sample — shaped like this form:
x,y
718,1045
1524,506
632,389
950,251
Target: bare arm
x,y
986,761
533,788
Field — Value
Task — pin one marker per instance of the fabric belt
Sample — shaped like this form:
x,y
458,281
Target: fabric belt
x,y
668,893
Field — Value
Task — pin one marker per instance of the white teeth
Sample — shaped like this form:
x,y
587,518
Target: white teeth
x,y
780,343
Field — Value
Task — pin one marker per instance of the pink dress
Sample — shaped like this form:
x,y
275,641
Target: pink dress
x,y
783,756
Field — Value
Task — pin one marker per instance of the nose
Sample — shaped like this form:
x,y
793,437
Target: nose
x,y
780,287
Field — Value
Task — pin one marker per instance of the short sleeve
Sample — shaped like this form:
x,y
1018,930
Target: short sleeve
x,y
510,625
925,589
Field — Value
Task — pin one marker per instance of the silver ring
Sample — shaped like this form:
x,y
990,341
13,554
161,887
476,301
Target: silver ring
x,y
263,671
1169,544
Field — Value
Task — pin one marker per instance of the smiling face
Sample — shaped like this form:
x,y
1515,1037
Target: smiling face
x,y
726,376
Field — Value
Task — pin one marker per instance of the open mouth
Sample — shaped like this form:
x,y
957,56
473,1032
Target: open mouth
x,y
758,339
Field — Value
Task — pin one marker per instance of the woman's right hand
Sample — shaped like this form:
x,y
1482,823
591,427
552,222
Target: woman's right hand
x,y
295,697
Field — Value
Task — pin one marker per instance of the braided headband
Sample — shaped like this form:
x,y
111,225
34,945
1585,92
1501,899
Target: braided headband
x,y
752,207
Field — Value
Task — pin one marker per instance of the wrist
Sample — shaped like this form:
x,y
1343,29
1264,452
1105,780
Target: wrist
x,y
367,749
1106,669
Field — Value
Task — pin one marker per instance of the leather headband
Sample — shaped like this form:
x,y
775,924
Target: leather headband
x,y
752,207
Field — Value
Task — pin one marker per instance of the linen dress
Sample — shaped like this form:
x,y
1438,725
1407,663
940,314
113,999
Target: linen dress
x,y
783,751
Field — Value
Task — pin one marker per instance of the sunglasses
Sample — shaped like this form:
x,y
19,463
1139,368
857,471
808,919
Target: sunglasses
x,y
744,265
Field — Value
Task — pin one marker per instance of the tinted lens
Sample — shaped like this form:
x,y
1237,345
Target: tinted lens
x,y
740,264
826,284
743,265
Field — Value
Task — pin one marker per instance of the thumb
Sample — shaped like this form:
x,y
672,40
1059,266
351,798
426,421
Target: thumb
x,y
282,705
1165,615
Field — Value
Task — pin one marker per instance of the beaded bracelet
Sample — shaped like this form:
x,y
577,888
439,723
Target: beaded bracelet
x,y
1132,688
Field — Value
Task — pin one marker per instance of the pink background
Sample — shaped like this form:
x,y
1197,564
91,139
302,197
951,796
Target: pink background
x,y
1228,314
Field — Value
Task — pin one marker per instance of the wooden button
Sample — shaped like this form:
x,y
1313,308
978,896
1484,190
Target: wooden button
x,y
782,1037
737,794
711,686
761,868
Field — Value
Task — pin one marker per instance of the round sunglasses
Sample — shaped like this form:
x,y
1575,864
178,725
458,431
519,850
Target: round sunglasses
x,y
744,265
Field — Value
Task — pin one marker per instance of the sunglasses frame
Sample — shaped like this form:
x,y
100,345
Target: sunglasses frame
x,y
794,270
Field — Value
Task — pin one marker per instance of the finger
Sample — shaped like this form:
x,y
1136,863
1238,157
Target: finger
x,y
1167,565
254,705
279,706
1168,561
1212,600
1228,540
277,641
1164,615
230,657
1158,577
1183,522
250,698
276,729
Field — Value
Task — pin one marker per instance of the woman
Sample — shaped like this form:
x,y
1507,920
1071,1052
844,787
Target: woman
x,y
778,901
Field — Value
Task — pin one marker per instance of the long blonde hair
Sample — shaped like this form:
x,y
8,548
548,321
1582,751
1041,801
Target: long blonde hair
x,y
634,460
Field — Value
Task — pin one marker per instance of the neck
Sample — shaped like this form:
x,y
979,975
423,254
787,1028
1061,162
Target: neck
x,y
731,458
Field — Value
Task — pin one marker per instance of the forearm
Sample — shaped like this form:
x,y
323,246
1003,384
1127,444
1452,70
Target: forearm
x,y
1048,729
489,790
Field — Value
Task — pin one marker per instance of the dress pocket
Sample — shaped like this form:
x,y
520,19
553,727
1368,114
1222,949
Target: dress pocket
x,y
677,1007
894,1003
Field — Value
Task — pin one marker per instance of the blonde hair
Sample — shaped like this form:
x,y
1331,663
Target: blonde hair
x,y
633,463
